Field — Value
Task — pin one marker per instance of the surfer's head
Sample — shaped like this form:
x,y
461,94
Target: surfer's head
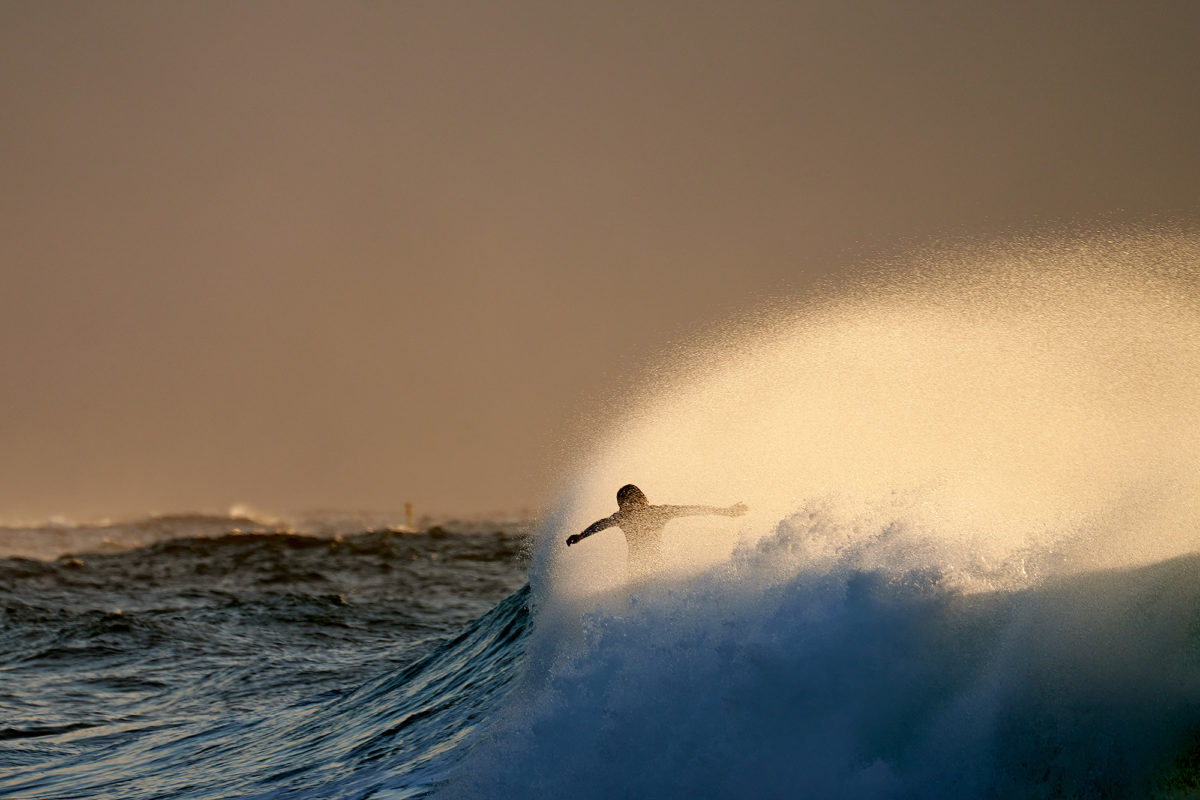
x,y
631,496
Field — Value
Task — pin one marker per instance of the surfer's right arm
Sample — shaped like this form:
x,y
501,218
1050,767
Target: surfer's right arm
x,y
595,527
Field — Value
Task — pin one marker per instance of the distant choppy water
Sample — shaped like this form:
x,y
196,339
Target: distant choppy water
x,y
254,664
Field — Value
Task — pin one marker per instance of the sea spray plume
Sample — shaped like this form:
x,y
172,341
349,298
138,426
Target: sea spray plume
x,y
1010,393
939,465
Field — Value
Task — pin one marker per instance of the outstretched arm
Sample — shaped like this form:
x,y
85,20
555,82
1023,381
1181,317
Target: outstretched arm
x,y
735,510
595,527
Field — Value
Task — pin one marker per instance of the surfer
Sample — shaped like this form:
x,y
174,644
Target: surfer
x,y
643,525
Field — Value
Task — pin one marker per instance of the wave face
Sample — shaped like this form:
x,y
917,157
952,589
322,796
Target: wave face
x,y
862,683
969,567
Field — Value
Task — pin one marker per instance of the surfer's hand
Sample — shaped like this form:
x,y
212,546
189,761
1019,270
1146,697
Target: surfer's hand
x,y
737,509
573,538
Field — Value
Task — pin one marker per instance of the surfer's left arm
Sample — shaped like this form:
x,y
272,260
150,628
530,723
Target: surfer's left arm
x,y
735,510
595,527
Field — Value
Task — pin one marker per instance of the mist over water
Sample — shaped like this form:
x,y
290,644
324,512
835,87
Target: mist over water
x,y
968,569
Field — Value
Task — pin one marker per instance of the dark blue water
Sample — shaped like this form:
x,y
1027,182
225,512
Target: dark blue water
x,y
255,665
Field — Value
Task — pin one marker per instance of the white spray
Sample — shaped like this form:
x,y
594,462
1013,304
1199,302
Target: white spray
x,y
974,487
1010,401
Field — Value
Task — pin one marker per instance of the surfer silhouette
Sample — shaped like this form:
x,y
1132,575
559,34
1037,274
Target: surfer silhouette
x,y
643,525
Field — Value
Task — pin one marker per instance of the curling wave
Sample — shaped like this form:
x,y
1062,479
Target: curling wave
x,y
969,569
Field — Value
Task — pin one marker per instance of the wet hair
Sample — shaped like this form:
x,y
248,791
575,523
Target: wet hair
x,y
631,495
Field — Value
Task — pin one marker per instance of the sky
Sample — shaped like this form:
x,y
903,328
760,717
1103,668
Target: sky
x,y
351,255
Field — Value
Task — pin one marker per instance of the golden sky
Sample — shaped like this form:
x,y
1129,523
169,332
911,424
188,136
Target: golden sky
x,y
312,255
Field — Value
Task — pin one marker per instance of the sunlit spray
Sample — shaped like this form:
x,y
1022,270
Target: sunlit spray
x,y
969,567
1009,404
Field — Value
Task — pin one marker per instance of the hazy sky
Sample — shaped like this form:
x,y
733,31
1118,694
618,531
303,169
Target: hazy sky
x,y
313,255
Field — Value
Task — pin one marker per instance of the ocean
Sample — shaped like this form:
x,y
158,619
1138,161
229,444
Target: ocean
x,y
970,569
231,659
388,664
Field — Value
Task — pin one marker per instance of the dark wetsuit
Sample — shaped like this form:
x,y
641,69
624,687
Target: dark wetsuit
x,y
643,527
